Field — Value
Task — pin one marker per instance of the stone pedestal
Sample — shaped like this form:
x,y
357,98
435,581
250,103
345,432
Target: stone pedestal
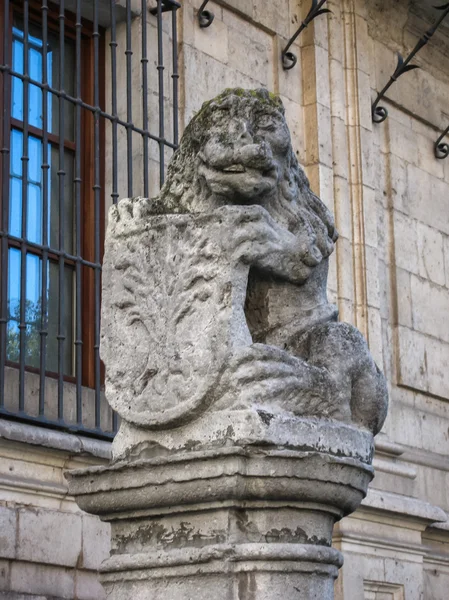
x,y
236,506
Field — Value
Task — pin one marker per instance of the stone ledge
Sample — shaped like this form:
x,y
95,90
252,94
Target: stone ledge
x,y
403,506
444,526
57,440
36,485
243,428
218,475
426,458
385,446
393,468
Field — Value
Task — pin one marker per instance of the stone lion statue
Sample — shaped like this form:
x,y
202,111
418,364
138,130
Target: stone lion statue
x,y
214,292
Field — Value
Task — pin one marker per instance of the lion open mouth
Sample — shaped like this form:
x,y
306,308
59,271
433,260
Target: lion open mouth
x,y
241,180
234,169
239,168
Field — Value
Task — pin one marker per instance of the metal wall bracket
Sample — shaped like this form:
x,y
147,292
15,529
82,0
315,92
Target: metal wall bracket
x,y
205,17
380,113
289,59
442,148
166,6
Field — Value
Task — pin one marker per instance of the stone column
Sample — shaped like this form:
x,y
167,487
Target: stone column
x,y
248,412
243,509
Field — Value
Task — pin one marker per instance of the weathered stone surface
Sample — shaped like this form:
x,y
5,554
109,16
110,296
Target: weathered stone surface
x,y
258,510
41,580
38,541
248,411
215,292
41,554
8,532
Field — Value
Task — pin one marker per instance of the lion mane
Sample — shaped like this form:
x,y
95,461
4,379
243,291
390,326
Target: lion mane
x,y
294,204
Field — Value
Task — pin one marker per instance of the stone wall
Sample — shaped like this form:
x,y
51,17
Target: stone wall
x,y
405,197
389,276
48,547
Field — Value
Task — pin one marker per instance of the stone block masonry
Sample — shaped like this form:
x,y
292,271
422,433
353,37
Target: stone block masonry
x,y
48,547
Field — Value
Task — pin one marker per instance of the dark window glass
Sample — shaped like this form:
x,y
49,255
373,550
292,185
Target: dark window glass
x,y
32,229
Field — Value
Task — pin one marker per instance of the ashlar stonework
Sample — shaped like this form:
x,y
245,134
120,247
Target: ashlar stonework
x,y
248,411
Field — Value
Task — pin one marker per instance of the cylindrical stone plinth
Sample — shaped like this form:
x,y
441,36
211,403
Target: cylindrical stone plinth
x,y
248,517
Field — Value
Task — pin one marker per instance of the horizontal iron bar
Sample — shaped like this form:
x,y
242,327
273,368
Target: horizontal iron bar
x,y
93,109
39,247
44,422
44,251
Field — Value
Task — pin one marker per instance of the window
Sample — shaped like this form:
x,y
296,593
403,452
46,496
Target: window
x,y
40,212
44,207
51,200
68,83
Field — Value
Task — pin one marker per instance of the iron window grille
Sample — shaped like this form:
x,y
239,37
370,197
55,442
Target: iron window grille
x,y
82,83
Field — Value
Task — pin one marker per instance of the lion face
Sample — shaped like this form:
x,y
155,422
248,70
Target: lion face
x,y
242,159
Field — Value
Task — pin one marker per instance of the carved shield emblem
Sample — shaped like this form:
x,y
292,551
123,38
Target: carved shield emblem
x,y
166,317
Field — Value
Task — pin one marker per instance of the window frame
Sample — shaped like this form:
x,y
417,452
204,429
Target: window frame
x,y
87,222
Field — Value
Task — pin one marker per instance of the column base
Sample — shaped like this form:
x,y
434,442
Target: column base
x,y
231,522
225,572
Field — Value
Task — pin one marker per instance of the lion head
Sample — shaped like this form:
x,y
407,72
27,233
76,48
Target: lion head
x,y
240,147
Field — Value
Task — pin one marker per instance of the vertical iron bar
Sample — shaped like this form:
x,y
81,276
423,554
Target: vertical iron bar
x,y
77,190
23,250
65,300
144,61
175,76
97,189
113,44
5,152
61,176
160,68
45,190
129,132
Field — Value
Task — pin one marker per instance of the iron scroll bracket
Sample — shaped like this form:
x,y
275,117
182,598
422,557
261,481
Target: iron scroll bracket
x,y
442,148
205,17
289,59
380,113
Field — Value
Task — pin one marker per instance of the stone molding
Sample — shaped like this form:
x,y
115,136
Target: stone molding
x,y
56,440
405,506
